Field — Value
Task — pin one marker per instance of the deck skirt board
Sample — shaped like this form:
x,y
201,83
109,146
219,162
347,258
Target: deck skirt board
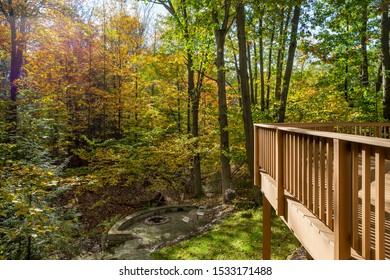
x,y
314,235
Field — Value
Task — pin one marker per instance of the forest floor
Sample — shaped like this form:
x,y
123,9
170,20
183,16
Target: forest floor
x,y
99,209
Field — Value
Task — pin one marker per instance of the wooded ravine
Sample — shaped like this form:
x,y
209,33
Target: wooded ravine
x,y
105,104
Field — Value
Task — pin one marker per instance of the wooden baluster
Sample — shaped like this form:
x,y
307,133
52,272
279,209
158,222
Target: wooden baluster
x,y
290,162
343,215
256,158
322,180
310,181
355,197
296,165
279,173
269,151
285,160
329,187
294,171
273,154
302,166
315,187
304,170
366,202
379,204
260,146
266,151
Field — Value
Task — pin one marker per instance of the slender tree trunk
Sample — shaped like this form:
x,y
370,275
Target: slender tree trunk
x,y
290,63
255,87
222,109
379,78
104,107
246,100
89,93
385,59
251,75
346,80
220,31
261,58
178,108
270,66
188,114
193,95
17,49
346,83
237,68
363,41
195,98
280,57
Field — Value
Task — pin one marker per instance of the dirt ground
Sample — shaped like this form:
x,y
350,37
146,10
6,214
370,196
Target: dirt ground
x,y
100,209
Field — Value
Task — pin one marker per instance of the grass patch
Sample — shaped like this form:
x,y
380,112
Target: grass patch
x,y
239,237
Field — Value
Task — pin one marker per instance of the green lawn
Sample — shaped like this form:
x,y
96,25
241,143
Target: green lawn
x,y
237,238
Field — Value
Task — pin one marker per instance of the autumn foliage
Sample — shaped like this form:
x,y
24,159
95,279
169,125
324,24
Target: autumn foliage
x,y
111,96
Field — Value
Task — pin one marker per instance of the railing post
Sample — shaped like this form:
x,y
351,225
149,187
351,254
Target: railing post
x,y
256,157
279,173
379,205
343,199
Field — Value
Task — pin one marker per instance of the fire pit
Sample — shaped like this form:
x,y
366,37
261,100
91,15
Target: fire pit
x,y
157,220
154,225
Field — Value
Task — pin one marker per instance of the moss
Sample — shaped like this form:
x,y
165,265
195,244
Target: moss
x,y
239,237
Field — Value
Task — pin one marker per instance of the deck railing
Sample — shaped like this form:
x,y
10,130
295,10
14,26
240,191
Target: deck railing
x,y
337,172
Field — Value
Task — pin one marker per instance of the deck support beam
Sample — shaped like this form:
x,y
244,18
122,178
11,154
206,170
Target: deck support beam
x,y
266,229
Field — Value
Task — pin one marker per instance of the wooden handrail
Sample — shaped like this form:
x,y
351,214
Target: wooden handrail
x,y
320,167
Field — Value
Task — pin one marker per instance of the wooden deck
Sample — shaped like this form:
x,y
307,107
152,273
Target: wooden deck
x,y
330,183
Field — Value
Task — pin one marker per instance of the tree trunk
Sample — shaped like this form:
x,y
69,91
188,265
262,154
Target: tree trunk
x,y
385,59
255,87
379,78
346,83
237,68
280,58
251,76
193,94
220,31
270,66
222,109
17,49
363,41
290,63
246,100
261,56
346,79
195,98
